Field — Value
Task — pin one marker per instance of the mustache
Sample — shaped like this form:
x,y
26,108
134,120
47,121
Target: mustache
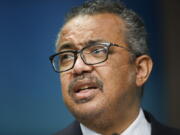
x,y
88,77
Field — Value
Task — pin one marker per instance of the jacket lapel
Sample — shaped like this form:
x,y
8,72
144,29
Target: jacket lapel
x,y
72,129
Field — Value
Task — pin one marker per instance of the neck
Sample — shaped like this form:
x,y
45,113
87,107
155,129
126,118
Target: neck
x,y
112,125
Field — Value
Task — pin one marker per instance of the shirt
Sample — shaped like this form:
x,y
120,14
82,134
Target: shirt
x,y
140,126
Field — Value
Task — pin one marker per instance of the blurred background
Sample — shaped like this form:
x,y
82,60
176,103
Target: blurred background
x,y
30,95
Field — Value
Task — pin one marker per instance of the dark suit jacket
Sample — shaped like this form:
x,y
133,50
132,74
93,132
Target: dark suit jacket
x,y
156,128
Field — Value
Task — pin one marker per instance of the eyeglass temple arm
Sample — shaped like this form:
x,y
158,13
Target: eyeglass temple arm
x,y
137,54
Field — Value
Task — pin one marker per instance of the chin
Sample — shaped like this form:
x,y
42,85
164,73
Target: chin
x,y
87,110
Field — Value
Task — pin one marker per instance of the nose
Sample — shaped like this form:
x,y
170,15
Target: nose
x,y
80,66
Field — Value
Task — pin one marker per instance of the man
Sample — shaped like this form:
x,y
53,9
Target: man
x,y
102,57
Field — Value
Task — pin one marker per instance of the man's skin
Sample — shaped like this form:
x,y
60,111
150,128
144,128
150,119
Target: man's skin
x,y
111,101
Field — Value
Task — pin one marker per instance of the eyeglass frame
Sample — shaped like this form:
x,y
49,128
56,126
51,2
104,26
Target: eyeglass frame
x,y
76,52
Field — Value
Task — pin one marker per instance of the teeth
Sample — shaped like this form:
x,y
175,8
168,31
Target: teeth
x,y
86,87
83,88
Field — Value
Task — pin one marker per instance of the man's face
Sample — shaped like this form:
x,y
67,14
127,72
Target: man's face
x,y
91,91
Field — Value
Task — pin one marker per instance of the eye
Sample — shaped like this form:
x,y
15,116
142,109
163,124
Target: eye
x,y
99,51
66,57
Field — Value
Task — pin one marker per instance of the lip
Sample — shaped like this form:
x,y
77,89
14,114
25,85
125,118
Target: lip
x,y
85,94
84,90
84,85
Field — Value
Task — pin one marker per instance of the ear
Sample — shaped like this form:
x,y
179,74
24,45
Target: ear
x,y
144,66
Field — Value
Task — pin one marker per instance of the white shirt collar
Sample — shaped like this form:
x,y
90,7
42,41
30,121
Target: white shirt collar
x,y
140,126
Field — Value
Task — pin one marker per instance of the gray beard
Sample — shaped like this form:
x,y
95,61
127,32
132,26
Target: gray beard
x,y
99,120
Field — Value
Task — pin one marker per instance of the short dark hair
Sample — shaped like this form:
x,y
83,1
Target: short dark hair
x,y
136,35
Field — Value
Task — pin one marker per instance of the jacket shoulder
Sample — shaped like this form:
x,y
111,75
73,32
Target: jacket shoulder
x,y
72,129
159,128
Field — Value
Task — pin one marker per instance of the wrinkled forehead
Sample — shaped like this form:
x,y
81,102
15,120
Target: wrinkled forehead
x,y
82,29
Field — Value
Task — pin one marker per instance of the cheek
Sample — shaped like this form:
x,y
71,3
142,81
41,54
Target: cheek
x,y
64,84
116,78
114,72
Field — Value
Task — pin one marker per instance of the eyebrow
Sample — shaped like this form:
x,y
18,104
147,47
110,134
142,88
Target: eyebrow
x,y
94,42
66,45
69,45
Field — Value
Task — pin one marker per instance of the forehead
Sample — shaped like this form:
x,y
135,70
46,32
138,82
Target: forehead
x,y
81,29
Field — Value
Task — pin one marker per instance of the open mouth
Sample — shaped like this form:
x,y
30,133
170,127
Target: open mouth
x,y
84,91
85,88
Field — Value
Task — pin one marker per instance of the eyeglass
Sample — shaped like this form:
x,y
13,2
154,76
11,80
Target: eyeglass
x,y
91,55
